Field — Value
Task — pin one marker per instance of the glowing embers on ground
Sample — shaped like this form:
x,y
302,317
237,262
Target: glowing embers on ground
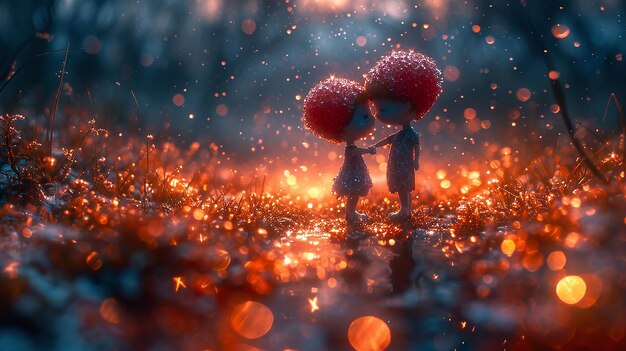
x,y
298,252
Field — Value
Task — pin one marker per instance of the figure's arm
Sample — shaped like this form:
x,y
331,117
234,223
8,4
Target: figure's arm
x,y
384,141
361,151
416,146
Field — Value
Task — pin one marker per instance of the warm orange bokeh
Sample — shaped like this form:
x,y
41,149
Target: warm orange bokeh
x,y
560,31
571,289
369,334
251,319
557,260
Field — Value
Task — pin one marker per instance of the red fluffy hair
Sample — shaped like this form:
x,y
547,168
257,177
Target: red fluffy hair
x,y
405,75
329,105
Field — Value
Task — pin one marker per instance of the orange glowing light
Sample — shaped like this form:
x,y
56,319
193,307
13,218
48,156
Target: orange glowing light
x,y
178,100
554,75
313,303
179,283
476,28
507,247
572,239
523,94
560,31
532,261
593,291
219,259
228,225
248,26
314,193
571,289
451,73
469,113
221,110
27,233
109,311
369,333
11,269
198,214
251,319
557,260
93,261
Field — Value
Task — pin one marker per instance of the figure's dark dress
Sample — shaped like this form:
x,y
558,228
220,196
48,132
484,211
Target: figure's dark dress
x,y
400,171
353,178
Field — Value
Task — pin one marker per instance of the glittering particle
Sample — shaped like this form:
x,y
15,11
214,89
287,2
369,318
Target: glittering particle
x,y
228,225
178,283
313,304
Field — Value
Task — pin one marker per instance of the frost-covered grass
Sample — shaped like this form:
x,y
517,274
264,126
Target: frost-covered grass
x,y
121,243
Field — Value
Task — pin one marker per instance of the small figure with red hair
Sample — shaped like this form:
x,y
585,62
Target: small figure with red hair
x,y
402,86
336,109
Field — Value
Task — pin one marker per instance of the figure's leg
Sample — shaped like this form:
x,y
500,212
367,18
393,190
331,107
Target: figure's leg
x,y
351,214
405,202
405,207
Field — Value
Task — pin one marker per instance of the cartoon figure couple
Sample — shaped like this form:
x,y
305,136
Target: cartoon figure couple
x,y
402,87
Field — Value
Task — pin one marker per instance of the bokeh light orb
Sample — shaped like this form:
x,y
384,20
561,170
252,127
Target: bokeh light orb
x,y
369,333
571,289
508,247
218,259
560,31
251,319
248,26
557,260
